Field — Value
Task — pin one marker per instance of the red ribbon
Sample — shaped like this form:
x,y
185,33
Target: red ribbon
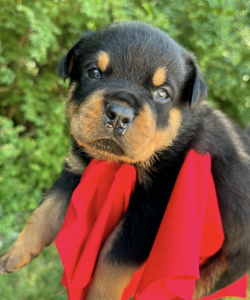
x,y
190,231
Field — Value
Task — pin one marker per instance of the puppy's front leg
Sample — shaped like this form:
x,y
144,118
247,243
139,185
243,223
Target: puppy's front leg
x,y
110,276
45,222
128,247
221,270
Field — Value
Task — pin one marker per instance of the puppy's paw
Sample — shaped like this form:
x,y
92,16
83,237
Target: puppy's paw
x,y
15,258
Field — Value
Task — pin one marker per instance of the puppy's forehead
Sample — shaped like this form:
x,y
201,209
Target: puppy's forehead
x,y
138,49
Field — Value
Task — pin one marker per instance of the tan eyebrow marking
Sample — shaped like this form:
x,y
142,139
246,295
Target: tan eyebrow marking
x,y
159,76
103,60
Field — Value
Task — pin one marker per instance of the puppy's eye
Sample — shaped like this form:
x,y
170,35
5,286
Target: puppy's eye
x,y
161,94
94,73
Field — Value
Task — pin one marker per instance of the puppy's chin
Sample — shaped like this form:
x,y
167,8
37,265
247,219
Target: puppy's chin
x,y
105,149
107,145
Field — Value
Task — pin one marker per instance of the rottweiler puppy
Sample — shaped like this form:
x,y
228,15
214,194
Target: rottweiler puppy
x,y
135,96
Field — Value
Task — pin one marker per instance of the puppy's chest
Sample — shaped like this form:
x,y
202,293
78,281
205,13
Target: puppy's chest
x,y
160,184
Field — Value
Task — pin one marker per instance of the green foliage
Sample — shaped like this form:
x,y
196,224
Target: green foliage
x,y
34,35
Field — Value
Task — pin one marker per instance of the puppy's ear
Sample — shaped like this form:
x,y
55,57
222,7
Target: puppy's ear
x,y
196,87
67,63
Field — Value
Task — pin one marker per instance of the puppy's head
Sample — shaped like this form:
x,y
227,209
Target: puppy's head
x,y
129,85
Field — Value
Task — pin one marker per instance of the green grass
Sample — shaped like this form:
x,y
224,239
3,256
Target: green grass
x,y
38,280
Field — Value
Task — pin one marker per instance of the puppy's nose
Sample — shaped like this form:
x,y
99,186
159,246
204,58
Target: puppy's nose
x,y
119,117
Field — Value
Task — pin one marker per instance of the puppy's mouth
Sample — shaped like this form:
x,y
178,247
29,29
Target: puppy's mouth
x,y
107,145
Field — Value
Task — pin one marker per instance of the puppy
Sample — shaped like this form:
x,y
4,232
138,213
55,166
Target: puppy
x,y
135,96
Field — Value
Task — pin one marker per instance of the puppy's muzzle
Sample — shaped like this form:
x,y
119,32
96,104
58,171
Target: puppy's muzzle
x,y
119,117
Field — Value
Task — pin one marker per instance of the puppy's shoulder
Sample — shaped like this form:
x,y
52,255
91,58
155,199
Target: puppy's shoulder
x,y
219,136
76,160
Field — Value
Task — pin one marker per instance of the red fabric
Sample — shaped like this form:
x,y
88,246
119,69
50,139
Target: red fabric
x,y
96,207
190,232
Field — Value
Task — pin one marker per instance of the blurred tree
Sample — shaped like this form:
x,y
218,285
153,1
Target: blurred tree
x,y
34,35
